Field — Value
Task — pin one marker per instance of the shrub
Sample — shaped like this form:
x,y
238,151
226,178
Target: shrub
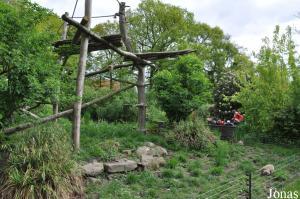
x,y
40,166
120,108
182,88
287,125
194,135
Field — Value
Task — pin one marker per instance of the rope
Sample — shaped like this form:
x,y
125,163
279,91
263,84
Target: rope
x,y
74,8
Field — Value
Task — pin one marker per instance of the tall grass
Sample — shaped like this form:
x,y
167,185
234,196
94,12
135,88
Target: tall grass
x,y
40,166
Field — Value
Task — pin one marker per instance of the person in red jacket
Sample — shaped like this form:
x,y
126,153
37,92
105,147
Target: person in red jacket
x,y
237,117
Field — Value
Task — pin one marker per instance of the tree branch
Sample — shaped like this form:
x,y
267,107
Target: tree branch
x,y
22,127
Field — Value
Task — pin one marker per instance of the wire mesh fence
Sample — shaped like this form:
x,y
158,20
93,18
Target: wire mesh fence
x,y
256,186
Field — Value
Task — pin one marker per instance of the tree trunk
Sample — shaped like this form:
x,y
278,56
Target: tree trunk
x,y
80,78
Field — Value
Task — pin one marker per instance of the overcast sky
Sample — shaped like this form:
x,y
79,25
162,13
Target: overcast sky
x,y
247,21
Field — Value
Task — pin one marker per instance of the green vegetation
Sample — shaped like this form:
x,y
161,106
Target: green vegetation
x,y
181,94
40,165
182,88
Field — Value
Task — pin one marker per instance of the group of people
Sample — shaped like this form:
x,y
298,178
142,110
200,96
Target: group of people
x,y
236,119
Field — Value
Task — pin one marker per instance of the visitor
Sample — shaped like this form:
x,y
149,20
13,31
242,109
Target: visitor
x,y
237,117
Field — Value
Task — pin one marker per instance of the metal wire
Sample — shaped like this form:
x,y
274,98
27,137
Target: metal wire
x,y
97,16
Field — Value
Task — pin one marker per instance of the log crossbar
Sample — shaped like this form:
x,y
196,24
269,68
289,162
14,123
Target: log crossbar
x,y
21,127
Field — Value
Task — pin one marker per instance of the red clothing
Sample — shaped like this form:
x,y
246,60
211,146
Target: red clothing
x,y
238,117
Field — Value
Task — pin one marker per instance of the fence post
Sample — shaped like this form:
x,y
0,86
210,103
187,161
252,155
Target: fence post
x,y
249,185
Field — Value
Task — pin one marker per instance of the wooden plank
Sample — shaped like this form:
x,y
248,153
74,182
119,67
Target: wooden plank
x,y
69,50
108,38
94,36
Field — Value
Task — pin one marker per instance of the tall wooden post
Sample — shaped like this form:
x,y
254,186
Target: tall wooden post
x,y
141,100
63,37
80,78
141,70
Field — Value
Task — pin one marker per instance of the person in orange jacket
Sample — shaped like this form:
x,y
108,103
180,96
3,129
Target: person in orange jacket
x,y
237,117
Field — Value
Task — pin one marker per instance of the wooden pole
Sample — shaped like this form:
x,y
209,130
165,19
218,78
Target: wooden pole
x,y
80,78
141,70
123,27
61,60
141,100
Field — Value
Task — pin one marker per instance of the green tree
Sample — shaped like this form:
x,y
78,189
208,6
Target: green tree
x,y
28,67
182,88
267,92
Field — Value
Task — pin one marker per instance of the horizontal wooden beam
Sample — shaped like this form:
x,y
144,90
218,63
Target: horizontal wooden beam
x,y
21,127
107,69
122,81
109,38
162,55
68,50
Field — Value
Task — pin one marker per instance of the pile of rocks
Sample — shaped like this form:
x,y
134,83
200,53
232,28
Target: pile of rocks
x,y
150,156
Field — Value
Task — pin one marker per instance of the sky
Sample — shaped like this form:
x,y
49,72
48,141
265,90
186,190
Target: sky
x,y
246,21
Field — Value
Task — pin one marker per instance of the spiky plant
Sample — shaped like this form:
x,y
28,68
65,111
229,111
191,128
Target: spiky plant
x,y
40,166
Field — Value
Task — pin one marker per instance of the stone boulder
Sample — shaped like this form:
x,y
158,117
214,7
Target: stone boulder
x,y
151,162
122,165
267,170
151,150
93,169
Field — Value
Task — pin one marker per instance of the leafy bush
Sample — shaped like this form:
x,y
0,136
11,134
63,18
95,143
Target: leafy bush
x,y
194,135
40,165
120,108
287,125
182,88
226,86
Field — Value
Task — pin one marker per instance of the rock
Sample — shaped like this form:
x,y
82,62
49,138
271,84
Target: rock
x,y
149,144
154,151
151,162
267,170
121,165
93,169
240,143
127,152
159,151
143,150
